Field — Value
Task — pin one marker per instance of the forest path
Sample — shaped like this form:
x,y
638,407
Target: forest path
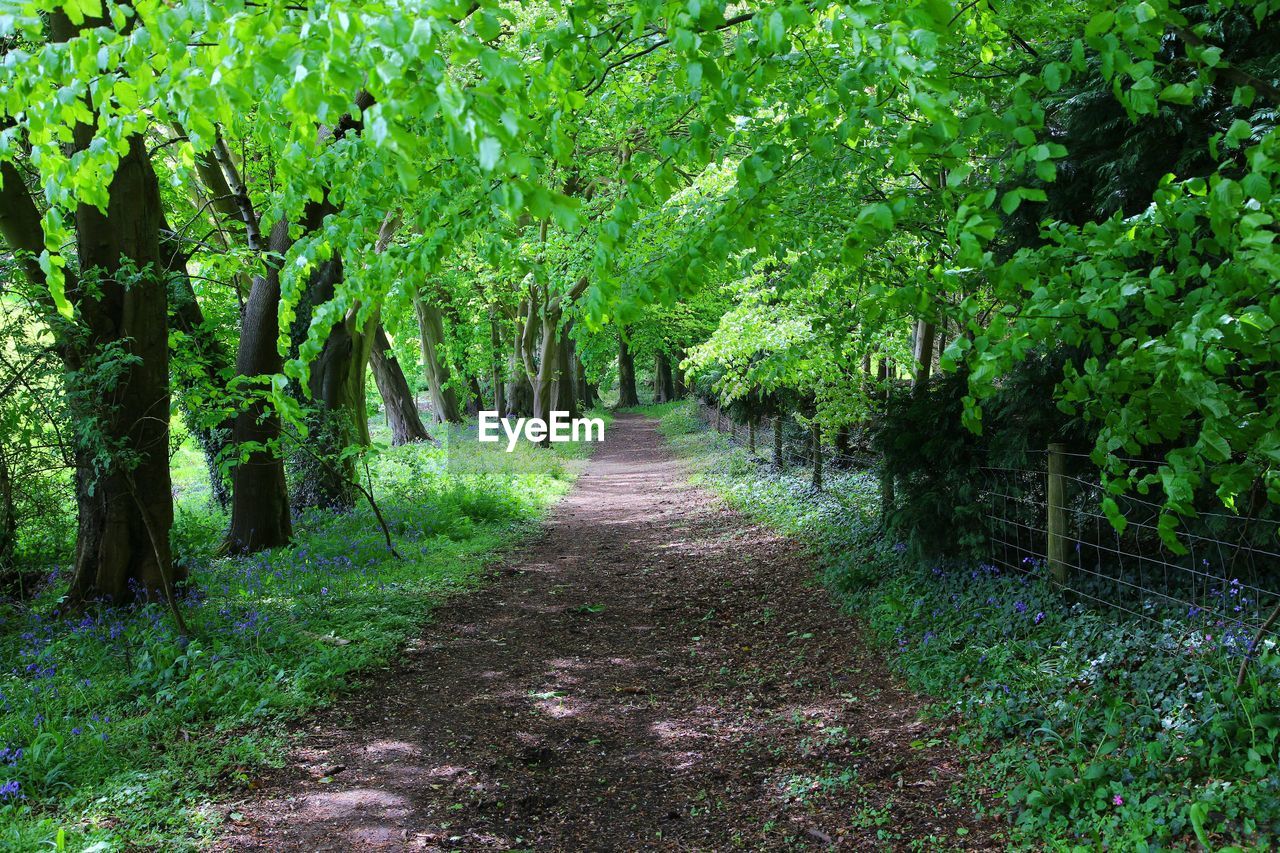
x,y
652,672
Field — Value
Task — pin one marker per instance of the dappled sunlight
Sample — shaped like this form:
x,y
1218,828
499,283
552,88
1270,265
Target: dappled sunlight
x,y
615,685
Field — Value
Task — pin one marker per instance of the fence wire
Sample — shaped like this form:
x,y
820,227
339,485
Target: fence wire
x,y
1224,585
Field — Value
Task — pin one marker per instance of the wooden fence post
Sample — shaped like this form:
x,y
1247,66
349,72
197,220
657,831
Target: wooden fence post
x,y
816,433
777,442
1057,514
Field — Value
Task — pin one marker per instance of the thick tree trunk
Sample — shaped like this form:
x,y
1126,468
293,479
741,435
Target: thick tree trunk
x,y
125,505
566,381
663,386
397,398
325,476
679,389
627,395
548,367
519,384
259,492
444,400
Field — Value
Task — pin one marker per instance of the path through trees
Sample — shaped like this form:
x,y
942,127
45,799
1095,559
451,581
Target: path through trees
x,y
653,672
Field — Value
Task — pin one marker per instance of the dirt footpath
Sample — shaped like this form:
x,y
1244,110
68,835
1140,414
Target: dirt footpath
x,y
653,672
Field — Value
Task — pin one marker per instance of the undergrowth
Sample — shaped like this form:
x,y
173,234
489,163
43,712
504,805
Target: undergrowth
x,y
1098,730
113,730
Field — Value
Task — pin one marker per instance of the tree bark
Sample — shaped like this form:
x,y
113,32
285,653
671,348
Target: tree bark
x,y
679,389
444,400
325,475
586,391
198,389
566,380
475,396
397,397
125,504
663,386
925,333
8,529
627,395
548,367
519,385
260,515
499,385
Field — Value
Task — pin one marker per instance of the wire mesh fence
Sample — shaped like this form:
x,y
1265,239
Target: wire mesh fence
x,y
1221,581
797,444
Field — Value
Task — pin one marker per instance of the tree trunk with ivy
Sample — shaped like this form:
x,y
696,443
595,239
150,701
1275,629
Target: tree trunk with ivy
x,y
260,515
118,392
337,419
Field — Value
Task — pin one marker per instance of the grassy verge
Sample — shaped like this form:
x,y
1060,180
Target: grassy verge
x,y
1099,732
112,732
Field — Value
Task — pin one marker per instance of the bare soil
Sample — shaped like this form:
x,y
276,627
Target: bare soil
x,y
653,672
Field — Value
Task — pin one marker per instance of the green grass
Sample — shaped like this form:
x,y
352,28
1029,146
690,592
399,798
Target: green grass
x,y
1097,731
124,731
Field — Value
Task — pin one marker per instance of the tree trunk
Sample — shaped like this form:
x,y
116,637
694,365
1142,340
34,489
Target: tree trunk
x,y
925,333
8,533
397,398
815,444
499,386
841,457
519,384
475,399
444,400
198,390
125,505
566,381
548,367
663,386
325,476
627,395
679,389
886,479
260,516
586,391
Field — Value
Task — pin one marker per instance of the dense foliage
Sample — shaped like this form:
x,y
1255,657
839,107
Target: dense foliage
x,y
222,219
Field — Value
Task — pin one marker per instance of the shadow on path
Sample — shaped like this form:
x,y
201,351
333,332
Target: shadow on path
x,y
653,672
